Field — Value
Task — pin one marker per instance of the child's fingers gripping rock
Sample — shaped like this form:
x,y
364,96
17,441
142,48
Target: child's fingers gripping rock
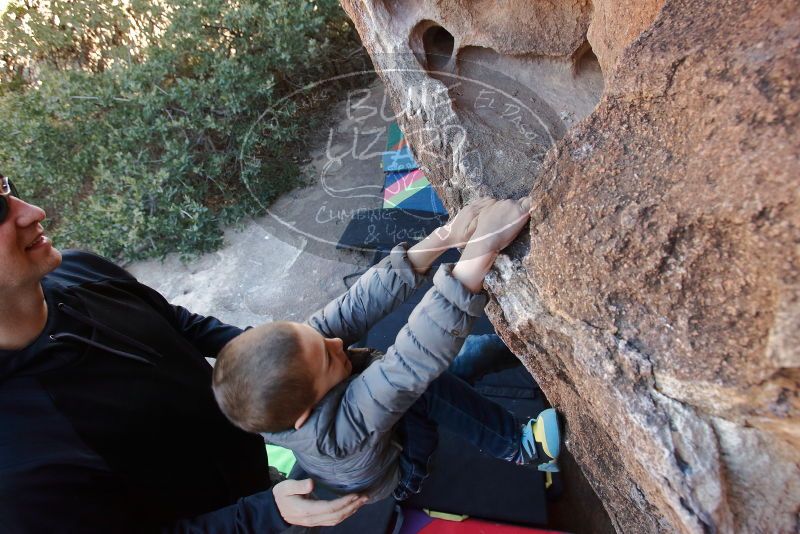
x,y
500,223
459,230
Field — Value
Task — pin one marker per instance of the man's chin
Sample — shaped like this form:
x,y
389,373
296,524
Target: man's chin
x,y
53,260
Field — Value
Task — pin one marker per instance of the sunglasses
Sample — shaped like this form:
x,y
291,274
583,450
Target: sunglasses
x,y
6,188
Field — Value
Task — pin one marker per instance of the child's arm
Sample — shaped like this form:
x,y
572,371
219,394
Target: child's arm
x,y
387,285
435,332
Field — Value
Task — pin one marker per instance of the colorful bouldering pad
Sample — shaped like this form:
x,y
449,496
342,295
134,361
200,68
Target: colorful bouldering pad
x,y
398,156
411,191
411,208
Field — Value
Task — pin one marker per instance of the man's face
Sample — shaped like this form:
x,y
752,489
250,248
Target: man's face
x,y
26,254
325,358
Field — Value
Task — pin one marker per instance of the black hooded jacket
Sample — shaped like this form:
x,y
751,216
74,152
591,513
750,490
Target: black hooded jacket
x,y
108,422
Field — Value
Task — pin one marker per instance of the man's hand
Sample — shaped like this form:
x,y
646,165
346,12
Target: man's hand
x,y
298,508
457,232
498,225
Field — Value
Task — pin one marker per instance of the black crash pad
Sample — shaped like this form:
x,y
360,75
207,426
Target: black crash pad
x,y
382,229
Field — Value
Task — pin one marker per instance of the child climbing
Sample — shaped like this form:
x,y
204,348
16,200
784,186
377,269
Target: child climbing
x,y
360,421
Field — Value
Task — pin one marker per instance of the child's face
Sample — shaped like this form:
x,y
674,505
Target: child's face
x,y
326,359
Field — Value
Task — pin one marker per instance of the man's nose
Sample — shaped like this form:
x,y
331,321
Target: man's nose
x,y
26,214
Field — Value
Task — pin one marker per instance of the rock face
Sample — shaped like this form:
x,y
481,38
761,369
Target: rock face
x,y
657,297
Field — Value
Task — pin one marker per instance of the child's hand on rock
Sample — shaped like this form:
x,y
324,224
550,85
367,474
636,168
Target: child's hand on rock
x,y
498,224
458,231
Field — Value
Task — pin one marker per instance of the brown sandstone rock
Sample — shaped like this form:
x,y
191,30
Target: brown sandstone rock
x,y
657,297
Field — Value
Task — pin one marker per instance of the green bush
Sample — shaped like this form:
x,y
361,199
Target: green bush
x,y
142,126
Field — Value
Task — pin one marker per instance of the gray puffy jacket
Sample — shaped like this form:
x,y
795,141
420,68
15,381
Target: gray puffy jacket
x,y
348,442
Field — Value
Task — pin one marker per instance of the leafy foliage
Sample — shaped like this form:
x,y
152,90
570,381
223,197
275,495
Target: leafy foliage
x,y
141,126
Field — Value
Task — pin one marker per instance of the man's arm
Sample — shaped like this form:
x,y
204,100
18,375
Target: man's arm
x,y
287,503
254,513
389,283
206,333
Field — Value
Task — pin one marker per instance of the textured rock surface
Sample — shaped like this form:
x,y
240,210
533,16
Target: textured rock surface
x,y
657,297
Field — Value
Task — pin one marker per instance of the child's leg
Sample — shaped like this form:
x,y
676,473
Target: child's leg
x,y
480,356
453,403
456,406
419,438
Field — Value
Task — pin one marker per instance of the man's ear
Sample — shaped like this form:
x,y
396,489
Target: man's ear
x,y
302,419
